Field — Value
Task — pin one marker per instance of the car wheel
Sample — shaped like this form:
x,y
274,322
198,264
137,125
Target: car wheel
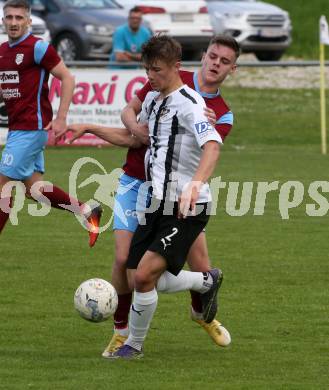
x,y
274,55
68,47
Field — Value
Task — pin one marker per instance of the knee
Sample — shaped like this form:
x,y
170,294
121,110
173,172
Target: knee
x,y
121,260
141,279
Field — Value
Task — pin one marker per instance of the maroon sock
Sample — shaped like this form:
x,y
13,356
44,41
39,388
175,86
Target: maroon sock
x,y
196,301
61,200
5,206
122,313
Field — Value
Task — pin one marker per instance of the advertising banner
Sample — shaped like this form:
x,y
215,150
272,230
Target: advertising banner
x,y
99,97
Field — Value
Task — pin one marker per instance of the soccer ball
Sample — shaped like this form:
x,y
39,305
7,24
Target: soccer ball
x,y
96,300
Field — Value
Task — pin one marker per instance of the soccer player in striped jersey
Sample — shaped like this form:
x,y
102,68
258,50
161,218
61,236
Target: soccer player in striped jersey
x,y
184,150
26,62
217,63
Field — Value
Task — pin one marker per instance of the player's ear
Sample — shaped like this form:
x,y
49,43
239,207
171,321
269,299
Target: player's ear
x,y
233,69
178,65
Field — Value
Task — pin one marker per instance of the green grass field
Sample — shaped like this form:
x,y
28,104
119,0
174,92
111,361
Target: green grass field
x,y
274,299
305,17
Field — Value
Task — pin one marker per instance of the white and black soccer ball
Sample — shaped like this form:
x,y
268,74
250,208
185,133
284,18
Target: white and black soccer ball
x,y
96,300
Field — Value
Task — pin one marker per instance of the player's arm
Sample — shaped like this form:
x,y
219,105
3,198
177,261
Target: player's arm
x,y
209,140
129,118
208,161
126,56
115,135
224,124
61,72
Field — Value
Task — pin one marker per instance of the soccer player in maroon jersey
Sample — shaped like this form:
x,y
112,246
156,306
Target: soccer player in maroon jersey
x,y
217,63
25,64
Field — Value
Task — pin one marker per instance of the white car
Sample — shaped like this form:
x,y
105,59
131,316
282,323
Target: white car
x,y
38,27
260,28
185,20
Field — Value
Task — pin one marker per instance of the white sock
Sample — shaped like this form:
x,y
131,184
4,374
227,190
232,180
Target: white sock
x,y
196,315
140,317
185,280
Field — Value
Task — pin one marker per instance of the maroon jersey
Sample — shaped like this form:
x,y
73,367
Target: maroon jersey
x,y
24,73
134,165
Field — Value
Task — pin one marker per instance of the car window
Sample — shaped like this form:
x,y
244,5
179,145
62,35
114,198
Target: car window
x,y
49,5
91,4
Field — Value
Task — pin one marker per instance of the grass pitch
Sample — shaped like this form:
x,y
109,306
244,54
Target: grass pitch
x,y
274,299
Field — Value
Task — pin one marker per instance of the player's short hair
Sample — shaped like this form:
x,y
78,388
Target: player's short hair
x,y
136,10
18,4
228,41
161,48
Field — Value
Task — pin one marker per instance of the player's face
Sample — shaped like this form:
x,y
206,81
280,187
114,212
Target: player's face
x,y
16,21
217,63
162,76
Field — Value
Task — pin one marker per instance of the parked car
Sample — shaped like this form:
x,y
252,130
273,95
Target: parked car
x,y
260,28
185,20
39,29
81,29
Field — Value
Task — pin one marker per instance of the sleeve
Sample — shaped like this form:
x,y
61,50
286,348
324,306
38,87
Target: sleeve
x,y
198,123
141,94
224,124
45,55
118,41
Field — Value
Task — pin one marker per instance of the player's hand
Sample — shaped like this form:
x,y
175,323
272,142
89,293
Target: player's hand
x,y
77,130
58,126
188,199
211,116
141,131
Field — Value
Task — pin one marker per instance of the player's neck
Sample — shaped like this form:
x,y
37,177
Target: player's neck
x,y
176,84
207,87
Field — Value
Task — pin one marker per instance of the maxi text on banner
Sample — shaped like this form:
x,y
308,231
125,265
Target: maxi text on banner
x,y
99,97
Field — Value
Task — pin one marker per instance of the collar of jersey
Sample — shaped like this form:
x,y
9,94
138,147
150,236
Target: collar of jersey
x,y
197,88
20,40
178,89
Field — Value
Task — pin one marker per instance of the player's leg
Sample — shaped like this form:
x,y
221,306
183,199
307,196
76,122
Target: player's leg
x,y
5,201
198,260
42,191
151,266
175,243
119,281
124,225
14,165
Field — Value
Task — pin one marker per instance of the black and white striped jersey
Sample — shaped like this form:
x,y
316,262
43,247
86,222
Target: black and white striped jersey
x,y
178,129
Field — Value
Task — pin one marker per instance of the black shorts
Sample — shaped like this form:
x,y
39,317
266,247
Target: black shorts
x,y
168,236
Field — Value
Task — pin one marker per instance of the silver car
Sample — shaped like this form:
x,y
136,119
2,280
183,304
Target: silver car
x,y
260,28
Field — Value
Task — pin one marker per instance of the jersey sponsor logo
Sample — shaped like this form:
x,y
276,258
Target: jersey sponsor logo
x,y
10,76
19,58
202,127
9,93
